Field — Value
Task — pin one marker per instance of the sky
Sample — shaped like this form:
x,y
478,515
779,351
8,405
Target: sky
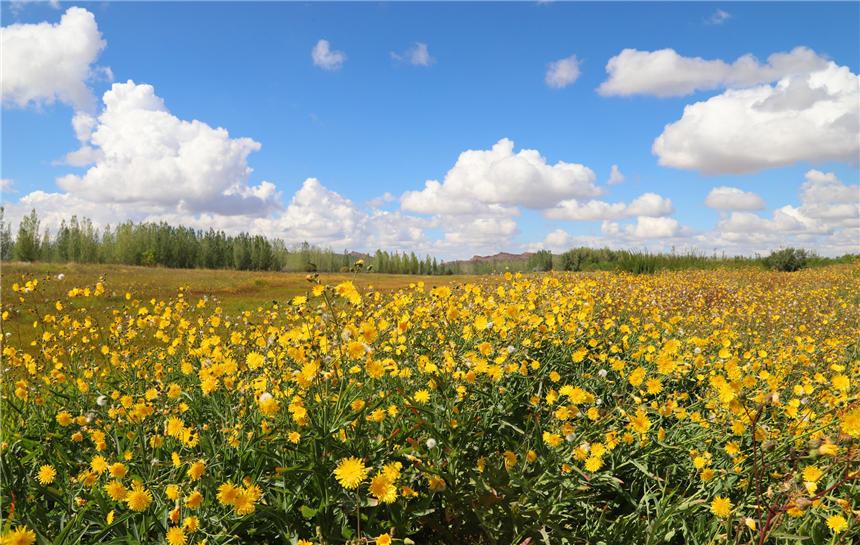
x,y
448,129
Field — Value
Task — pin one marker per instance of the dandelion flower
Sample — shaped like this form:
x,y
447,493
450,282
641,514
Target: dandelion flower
x,y
46,474
116,490
383,539
721,507
350,472
227,493
176,535
19,536
196,470
193,500
382,489
139,498
836,523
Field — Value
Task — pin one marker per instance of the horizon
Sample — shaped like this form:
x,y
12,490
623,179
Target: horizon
x,y
449,130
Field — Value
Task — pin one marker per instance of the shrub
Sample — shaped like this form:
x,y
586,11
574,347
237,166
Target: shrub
x,y
787,259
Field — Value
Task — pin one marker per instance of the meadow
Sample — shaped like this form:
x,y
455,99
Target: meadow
x,y
194,406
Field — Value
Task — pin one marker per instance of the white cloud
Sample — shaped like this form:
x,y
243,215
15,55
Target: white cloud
x,y
615,176
417,55
719,17
732,198
6,184
494,180
810,117
44,63
376,202
146,156
651,228
325,58
665,73
320,216
649,204
563,72
829,215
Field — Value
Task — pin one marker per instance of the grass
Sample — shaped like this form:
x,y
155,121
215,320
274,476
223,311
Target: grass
x,y
236,290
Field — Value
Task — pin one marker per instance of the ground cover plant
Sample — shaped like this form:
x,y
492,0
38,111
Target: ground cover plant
x,y
676,407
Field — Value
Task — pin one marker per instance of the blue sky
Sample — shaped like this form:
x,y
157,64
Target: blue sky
x,y
341,145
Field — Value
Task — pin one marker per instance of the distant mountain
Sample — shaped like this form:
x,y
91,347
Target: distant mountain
x,y
501,256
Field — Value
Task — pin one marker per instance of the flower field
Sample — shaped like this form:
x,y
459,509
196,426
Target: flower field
x,y
686,407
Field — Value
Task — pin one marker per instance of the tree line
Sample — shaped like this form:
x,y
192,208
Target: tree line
x,y
161,244
165,245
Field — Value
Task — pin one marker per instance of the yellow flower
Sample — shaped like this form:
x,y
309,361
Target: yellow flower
x,y
176,535
64,418
721,507
116,490
227,493
244,503
593,463
811,474
109,517
828,449
422,396
46,474
19,536
196,470
383,539
99,464
194,499
382,488
510,459
139,498
192,524
837,523
350,472
552,439
172,491
118,470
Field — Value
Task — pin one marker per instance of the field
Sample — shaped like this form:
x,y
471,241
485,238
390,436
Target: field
x,y
183,407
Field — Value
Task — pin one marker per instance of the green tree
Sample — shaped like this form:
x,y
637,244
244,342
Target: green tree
x,y
28,244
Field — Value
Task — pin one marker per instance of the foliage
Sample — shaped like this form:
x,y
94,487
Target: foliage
x,y
694,407
787,259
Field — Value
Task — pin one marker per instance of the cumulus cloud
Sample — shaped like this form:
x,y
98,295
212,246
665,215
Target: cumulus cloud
x,y
646,228
615,176
808,117
417,55
665,73
649,204
146,156
562,73
324,217
44,63
495,180
327,59
732,198
829,215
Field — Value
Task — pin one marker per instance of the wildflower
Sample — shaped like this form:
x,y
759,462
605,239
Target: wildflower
x,y
99,464
116,490
510,459
227,493
46,474
19,536
350,472
431,443
139,498
828,449
191,523
422,396
721,507
194,499
101,401
383,539
836,523
244,503
196,470
382,488
593,463
118,470
64,418
176,535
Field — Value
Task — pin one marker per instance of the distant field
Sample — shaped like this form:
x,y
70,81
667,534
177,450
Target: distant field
x,y
237,290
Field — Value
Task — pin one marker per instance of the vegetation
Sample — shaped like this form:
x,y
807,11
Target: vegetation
x,y
164,245
693,407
